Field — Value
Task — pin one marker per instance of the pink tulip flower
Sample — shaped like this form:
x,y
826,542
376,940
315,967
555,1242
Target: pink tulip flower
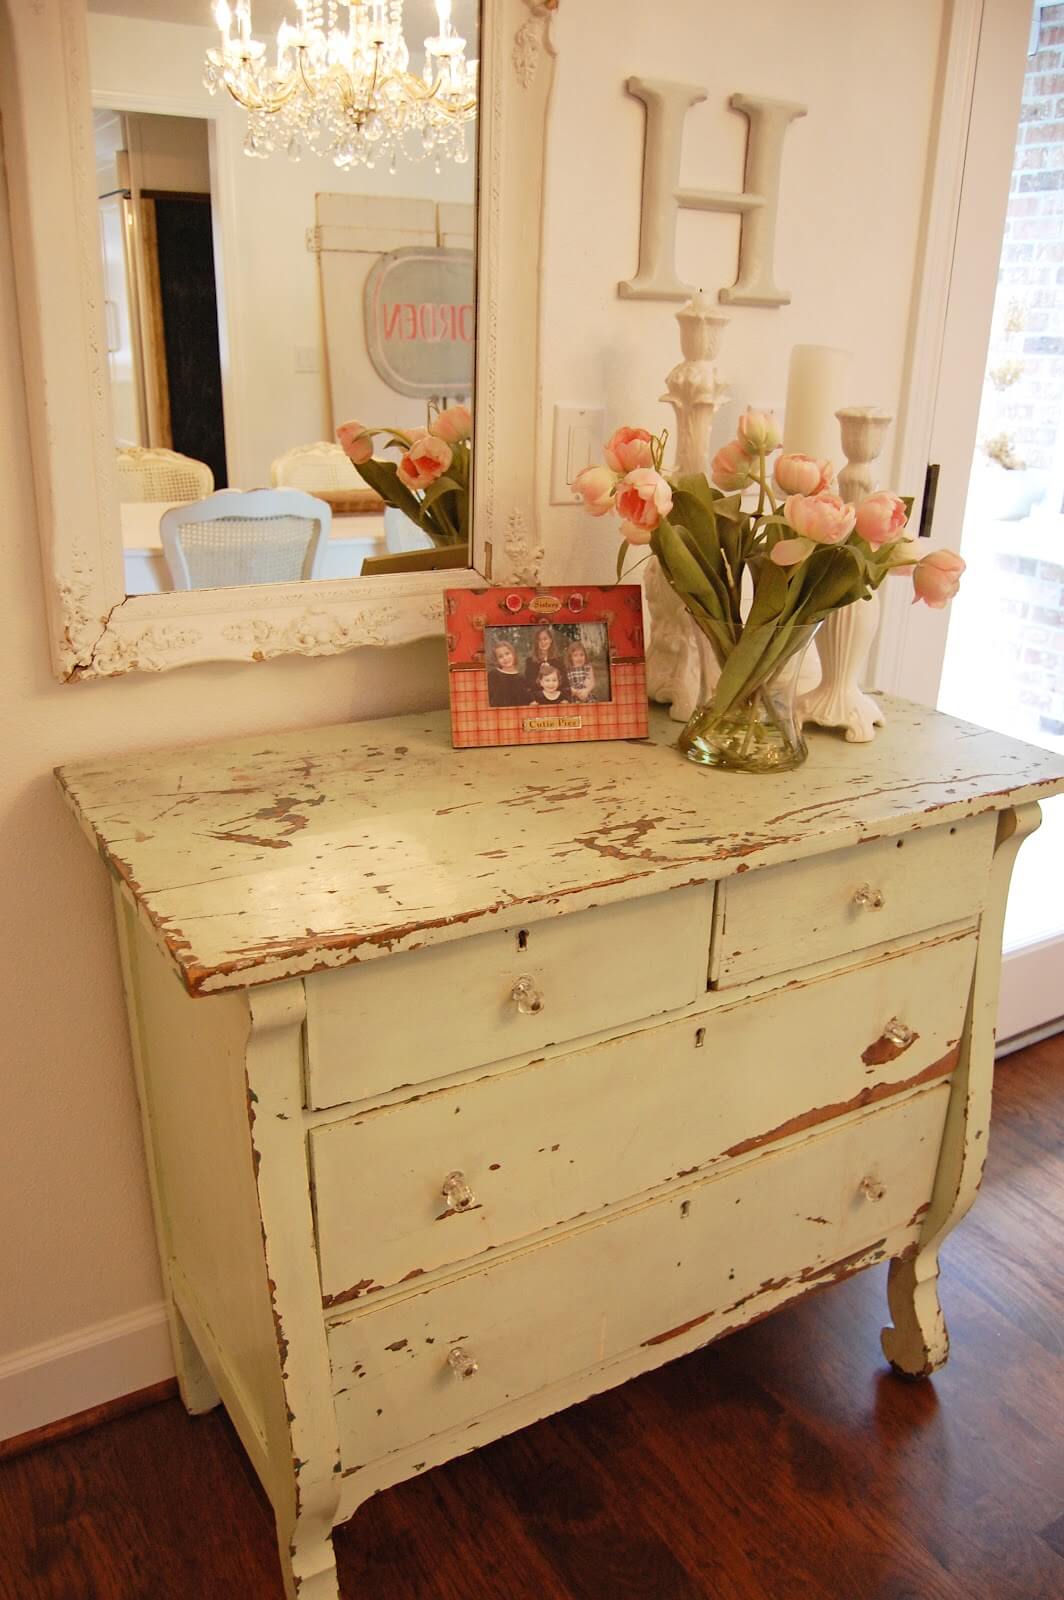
x,y
821,517
730,467
356,442
937,578
595,486
427,459
643,498
452,425
757,432
798,474
881,518
629,448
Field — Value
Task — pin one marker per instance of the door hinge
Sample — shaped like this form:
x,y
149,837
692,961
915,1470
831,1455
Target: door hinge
x,y
927,510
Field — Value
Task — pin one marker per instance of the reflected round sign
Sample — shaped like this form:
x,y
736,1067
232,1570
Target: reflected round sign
x,y
420,320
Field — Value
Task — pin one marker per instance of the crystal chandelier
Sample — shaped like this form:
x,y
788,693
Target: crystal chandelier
x,y
340,84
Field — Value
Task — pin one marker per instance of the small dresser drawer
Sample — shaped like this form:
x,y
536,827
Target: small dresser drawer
x,y
792,916
407,1019
704,1256
529,1149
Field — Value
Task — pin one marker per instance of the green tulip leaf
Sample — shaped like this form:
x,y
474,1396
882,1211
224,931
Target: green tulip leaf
x,y
717,581
434,491
770,594
383,476
730,507
683,569
692,512
696,485
740,671
684,573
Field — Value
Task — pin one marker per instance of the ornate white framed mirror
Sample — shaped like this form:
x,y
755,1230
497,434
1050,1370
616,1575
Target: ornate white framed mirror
x,y
75,93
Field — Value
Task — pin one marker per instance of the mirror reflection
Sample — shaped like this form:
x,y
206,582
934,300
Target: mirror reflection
x,y
286,193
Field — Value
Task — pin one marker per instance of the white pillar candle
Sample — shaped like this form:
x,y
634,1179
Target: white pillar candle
x,y
815,382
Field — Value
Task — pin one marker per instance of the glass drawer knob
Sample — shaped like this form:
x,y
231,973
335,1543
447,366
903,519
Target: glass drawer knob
x,y
899,1033
873,1188
526,997
461,1363
868,898
457,1193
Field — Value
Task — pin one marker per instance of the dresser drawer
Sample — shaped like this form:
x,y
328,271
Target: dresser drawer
x,y
704,1255
567,1136
792,916
407,1019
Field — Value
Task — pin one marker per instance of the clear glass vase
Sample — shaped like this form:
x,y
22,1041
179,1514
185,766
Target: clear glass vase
x,y
761,730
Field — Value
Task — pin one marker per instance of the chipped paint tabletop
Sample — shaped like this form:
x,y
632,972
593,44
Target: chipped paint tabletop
x,y
271,856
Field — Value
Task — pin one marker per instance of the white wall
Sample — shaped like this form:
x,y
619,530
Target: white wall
x,y
851,193
76,1247
269,279
77,1239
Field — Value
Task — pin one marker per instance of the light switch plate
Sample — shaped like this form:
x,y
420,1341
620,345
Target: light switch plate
x,y
579,432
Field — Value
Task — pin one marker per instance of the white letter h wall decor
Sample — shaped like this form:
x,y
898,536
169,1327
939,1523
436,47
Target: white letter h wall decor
x,y
667,105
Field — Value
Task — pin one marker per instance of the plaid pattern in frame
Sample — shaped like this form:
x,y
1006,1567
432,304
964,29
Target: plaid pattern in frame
x,y
472,613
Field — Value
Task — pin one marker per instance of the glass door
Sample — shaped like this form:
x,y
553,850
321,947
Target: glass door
x,y
1004,651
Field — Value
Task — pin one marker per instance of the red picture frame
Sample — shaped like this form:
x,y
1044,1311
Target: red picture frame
x,y
554,665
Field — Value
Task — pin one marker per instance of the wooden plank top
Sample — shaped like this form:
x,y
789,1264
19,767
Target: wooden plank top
x,y
276,855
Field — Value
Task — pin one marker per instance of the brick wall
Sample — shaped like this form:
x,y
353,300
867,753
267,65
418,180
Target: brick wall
x,y
1024,394
1022,645
1027,647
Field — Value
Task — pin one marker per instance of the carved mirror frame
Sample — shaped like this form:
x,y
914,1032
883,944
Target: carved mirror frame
x,y
96,629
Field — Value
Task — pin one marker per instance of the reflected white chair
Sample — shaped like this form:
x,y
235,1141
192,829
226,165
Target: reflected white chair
x,y
151,473
315,467
232,538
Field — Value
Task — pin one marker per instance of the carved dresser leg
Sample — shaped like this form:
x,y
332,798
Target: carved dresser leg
x,y
308,1563
302,1441
918,1343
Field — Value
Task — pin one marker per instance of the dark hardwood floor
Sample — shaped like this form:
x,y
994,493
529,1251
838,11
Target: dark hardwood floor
x,y
784,1461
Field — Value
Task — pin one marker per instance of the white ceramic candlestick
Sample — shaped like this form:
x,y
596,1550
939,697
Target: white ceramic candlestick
x,y
681,667
815,381
844,639
692,387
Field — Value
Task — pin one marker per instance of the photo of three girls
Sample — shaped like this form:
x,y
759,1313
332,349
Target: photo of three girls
x,y
541,665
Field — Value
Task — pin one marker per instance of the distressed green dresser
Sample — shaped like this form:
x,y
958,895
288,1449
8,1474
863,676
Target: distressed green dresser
x,y
475,1083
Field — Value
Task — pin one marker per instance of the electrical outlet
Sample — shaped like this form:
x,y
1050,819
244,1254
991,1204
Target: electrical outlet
x,y
579,432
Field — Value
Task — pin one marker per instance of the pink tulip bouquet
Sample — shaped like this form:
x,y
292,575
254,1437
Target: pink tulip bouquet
x,y
430,480
757,579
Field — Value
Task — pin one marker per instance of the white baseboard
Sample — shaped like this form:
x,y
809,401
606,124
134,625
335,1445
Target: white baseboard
x,y
61,1377
1032,982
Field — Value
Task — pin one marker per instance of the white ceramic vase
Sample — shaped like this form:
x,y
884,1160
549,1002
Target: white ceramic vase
x,y
842,642
680,665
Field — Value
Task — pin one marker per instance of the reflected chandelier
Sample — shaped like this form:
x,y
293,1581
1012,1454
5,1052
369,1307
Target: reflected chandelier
x,y
340,84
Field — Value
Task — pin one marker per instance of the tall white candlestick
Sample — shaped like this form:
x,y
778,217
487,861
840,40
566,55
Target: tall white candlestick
x,y
815,381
